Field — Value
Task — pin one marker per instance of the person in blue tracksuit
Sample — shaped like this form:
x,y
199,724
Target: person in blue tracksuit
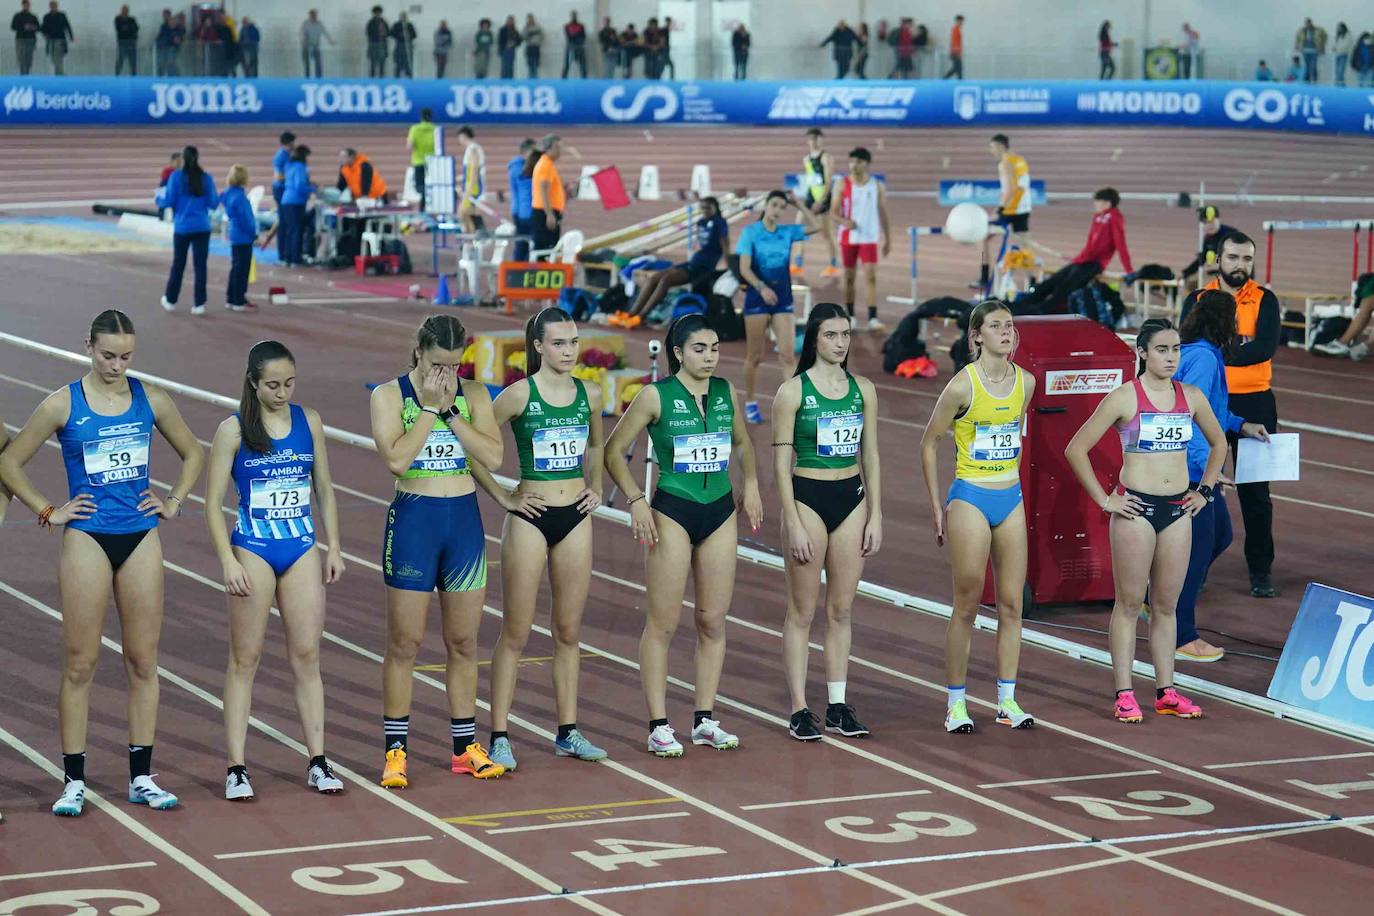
x,y
279,160
243,232
521,198
191,196
1208,332
295,195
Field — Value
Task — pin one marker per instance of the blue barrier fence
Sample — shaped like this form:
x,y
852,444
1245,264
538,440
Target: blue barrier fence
x,y
148,100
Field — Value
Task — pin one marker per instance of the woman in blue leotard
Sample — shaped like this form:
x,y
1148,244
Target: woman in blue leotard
x,y
275,452
104,422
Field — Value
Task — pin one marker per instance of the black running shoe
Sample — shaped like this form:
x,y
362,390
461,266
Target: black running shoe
x,y
802,726
1262,587
839,717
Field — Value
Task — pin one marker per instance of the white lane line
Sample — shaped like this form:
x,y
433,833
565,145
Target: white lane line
x,y
345,300
1327,431
1338,467
1060,779
1283,760
358,780
89,870
62,204
291,850
835,800
594,822
1326,397
1315,505
123,818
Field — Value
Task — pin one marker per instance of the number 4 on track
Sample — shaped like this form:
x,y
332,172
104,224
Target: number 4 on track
x,y
642,852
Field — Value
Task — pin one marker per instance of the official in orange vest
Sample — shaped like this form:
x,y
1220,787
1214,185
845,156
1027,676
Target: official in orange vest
x,y
1249,369
357,176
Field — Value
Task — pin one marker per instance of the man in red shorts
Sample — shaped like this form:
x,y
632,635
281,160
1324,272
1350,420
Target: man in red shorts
x,y
862,216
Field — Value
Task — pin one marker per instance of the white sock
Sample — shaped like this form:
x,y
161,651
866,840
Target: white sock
x,y
835,689
956,695
1006,690
748,404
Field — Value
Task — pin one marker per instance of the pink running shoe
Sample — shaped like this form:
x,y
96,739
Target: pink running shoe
x,y
1174,703
1127,709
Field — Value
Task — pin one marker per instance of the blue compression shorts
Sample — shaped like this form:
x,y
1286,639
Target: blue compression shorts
x,y
434,542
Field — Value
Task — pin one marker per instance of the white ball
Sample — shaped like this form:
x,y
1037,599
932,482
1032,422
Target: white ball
x,y
967,224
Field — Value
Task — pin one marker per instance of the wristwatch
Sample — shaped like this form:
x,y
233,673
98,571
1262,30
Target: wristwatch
x,y
1205,492
447,414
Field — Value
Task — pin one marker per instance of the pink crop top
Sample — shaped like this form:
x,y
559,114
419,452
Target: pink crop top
x,y
1155,430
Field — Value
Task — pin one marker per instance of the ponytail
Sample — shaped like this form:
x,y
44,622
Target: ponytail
x,y
534,331
190,167
1148,330
251,426
679,332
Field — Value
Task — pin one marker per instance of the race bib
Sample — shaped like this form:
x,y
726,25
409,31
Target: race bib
x,y
559,448
1165,432
279,499
701,453
838,437
996,441
442,452
117,460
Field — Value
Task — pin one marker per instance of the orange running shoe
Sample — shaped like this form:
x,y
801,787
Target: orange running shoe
x,y
1127,709
475,762
394,773
831,271
631,322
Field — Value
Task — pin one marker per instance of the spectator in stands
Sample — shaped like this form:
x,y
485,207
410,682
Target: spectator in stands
x,y
740,40
294,199
903,41
166,46
443,44
507,40
1189,41
376,31
229,45
861,51
25,26
1213,231
58,34
534,45
1341,46
652,42
842,40
609,40
359,178
574,45
1263,74
481,49
249,41
207,35
666,61
923,45
312,33
1362,59
1310,42
1107,65
956,49
1297,70
126,41
547,194
420,145
1106,239
521,188
630,47
403,46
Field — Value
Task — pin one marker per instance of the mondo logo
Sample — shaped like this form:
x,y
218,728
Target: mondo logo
x,y
351,98
666,98
1272,106
203,98
503,100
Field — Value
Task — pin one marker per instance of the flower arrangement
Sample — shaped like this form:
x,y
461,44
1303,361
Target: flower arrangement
x,y
599,358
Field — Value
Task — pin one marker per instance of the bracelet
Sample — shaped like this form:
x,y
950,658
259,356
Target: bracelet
x,y
781,444
430,410
45,517
635,500
177,498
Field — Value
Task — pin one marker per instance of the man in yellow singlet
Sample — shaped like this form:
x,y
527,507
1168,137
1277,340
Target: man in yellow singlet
x,y
1014,204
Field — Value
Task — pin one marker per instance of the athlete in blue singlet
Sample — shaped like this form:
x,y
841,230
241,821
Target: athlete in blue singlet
x,y
104,423
275,452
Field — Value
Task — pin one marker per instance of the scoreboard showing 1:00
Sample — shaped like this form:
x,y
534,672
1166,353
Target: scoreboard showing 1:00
x,y
532,279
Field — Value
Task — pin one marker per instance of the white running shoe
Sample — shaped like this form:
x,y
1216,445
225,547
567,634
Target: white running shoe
x,y
1333,348
662,741
237,787
72,801
709,732
168,306
323,779
198,310
143,791
876,326
957,721
1359,350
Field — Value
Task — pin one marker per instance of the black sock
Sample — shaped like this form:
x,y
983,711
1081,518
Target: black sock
x,y
318,762
74,767
872,312
395,732
563,730
699,715
238,768
850,306
655,723
140,760
1127,690
496,734
1159,691
463,732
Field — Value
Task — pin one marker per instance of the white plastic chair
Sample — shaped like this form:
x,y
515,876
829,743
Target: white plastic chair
x,y
471,264
565,250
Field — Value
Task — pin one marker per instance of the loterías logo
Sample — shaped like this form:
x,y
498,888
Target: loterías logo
x,y
20,98
352,98
203,98
664,95
502,100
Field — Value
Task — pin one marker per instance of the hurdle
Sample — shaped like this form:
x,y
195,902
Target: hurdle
x,y
914,234
1355,226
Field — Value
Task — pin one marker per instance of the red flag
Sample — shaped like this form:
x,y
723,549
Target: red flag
x,y
611,188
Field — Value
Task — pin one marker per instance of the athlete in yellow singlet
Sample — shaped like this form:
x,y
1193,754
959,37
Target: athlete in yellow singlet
x,y
984,406
1014,200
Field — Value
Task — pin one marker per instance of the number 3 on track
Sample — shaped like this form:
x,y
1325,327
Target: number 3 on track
x,y
642,852
386,877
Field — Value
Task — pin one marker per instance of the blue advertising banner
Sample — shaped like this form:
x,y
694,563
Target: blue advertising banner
x,y
150,100
1327,664
983,193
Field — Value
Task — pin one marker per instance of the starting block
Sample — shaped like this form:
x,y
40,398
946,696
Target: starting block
x,y
586,187
700,184
648,184
277,295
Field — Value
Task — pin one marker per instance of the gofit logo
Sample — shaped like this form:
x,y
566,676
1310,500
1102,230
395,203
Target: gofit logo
x,y
1140,102
26,98
664,96
1272,106
831,103
503,100
352,98
203,98
1082,381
